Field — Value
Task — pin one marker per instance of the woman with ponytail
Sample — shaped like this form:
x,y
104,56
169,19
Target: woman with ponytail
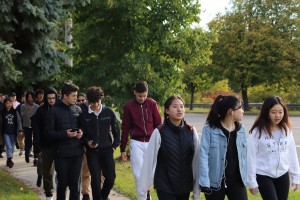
x,y
171,159
223,151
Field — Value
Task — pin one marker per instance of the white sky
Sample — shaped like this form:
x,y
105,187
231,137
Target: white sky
x,y
209,9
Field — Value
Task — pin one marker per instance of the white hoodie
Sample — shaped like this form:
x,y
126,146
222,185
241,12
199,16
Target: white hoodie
x,y
272,156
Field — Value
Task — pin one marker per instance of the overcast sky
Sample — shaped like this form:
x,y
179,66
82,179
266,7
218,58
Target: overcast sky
x,y
209,9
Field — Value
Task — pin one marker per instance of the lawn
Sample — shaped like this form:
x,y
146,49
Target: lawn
x,y
125,182
13,189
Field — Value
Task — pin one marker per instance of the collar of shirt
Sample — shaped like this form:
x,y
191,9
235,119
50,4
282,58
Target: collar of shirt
x,y
96,113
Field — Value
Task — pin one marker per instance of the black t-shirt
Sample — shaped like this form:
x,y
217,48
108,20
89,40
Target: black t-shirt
x,y
232,170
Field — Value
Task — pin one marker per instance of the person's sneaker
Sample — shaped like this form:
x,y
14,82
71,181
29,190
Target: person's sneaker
x,y
39,181
49,198
9,163
27,159
85,197
148,196
35,162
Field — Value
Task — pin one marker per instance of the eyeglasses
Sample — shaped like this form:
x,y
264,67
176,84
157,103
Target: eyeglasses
x,y
80,100
240,107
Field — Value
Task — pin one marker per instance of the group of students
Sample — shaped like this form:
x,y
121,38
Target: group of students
x,y
224,162
168,154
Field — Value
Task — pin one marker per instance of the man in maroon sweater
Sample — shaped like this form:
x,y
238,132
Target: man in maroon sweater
x,y
141,117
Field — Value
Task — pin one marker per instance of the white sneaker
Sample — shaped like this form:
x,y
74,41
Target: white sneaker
x,y
49,198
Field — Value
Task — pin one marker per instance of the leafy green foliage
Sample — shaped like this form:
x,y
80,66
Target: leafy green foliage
x,y
258,44
30,31
120,42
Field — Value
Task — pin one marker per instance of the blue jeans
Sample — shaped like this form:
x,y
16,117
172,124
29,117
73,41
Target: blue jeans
x,y
9,140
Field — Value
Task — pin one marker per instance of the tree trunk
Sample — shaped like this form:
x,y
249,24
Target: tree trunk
x,y
245,98
192,97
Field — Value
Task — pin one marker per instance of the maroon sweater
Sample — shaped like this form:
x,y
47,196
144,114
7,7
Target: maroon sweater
x,y
139,120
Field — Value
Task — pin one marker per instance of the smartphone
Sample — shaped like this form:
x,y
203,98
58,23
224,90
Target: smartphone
x,y
75,129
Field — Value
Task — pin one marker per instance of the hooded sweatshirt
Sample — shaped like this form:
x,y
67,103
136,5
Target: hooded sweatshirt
x,y
38,122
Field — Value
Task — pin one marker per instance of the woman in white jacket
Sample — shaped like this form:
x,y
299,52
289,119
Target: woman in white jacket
x,y
171,159
272,154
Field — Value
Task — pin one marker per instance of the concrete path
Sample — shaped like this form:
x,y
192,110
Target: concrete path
x,y
26,173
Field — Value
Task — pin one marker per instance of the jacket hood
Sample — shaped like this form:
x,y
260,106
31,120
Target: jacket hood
x,y
49,90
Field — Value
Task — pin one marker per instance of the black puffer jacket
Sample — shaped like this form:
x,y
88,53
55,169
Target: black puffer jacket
x,y
60,118
173,172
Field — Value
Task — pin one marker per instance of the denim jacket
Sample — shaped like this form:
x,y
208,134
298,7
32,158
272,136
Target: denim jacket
x,y
213,148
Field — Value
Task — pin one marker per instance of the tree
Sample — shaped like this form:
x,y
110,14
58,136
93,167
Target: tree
x,y
30,33
194,49
120,42
258,43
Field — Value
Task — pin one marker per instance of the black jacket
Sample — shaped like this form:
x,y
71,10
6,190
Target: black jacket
x,y
38,123
102,129
60,118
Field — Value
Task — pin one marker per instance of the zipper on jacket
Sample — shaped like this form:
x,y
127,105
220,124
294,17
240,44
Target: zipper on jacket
x,y
97,129
144,120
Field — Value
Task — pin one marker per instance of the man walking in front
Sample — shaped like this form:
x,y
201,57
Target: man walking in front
x,y
64,128
141,117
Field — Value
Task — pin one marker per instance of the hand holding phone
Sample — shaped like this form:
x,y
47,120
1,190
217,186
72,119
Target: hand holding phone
x,y
75,129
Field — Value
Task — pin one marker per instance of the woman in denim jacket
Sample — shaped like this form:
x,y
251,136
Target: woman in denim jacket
x,y
223,151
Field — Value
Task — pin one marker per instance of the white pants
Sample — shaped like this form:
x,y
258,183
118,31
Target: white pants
x,y
137,151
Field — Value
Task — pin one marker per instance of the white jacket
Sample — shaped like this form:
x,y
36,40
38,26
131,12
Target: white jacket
x,y
272,157
146,178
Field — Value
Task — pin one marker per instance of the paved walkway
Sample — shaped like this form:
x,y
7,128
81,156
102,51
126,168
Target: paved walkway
x,y
26,173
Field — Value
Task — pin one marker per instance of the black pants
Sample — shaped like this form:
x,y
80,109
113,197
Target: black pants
x,y
68,171
101,159
162,195
28,141
274,188
233,192
48,157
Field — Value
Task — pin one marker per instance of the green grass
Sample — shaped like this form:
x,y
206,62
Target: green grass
x,y
124,183
12,189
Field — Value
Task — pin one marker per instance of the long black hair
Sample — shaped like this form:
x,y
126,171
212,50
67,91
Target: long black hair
x,y
263,121
220,108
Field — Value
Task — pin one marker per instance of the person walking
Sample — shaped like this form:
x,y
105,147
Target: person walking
x,y
223,151
272,154
101,138
43,145
141,116
64,128
28,109
11,125
171,160
85,176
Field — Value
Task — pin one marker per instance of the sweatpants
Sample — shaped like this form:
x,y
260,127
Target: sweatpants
x,y
273,188
137,151
68,170
48,157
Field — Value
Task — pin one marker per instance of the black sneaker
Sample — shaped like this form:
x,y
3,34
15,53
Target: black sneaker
x,y
85,197
27,159
39,181
35,162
